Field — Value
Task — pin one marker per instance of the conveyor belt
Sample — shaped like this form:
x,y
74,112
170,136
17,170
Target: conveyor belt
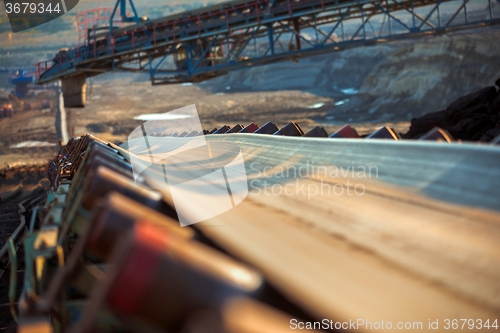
x,y
418,243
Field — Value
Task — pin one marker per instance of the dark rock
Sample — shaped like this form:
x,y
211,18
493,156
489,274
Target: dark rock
x,y
490,134
424,124
97,128
468,118
458,115
495,105
483,96
476,127
496,141
122,131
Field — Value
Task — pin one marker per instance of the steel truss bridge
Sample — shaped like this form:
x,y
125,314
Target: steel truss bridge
x,y
201,44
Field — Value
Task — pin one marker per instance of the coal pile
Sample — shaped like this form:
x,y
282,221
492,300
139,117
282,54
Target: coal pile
x,y
474,117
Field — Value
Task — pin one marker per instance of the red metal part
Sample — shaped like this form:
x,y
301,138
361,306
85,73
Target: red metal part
x,y
345,132
91,18
250,128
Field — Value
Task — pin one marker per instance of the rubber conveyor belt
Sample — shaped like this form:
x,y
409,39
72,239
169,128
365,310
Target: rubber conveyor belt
x,y
420,244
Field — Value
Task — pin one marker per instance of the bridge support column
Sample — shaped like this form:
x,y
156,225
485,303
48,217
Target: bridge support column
x,y
74,91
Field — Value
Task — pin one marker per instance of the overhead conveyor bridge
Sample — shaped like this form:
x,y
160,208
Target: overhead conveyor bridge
x,y
212,41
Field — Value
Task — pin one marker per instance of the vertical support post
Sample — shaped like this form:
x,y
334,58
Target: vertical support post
x,y
255,42
363,22
228,55
413,15
270,35
257,12
343,30
439,14
111,44
111,18
188,57
95,43
199,28
465,12
296,28
389,18
316,30
74,91
123,8
151,69
381,28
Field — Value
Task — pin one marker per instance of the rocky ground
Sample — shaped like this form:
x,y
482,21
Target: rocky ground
x,y
29,136
16,184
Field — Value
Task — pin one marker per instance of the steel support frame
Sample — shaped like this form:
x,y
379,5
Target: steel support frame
x,y
274,30
123,13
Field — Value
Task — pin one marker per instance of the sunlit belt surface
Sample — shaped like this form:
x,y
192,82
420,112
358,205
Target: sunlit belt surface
x,y
416,239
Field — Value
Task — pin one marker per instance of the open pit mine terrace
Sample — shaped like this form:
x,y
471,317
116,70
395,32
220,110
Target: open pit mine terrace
x,y
106,253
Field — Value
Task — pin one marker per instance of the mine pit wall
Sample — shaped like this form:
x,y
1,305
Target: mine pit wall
x,y
74,91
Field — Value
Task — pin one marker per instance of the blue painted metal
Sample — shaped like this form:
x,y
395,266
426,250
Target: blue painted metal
x,y
21,79
214,40
123,13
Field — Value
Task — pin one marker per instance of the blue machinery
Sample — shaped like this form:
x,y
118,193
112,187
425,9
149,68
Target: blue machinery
x,y
21,79
123,13
211,41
